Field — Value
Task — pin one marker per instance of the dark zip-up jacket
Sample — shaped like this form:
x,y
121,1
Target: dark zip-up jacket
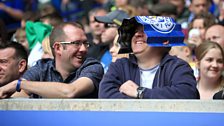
x,y
173,80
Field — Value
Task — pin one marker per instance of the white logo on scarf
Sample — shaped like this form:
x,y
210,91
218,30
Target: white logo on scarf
x,y
158,23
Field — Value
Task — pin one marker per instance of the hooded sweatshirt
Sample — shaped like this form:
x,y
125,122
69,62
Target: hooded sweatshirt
x,y
173,80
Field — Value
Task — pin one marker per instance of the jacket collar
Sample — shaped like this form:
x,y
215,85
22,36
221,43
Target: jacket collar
x,y
165,59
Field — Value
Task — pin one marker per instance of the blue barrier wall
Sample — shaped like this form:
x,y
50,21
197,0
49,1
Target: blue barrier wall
x,y
92,118
59,112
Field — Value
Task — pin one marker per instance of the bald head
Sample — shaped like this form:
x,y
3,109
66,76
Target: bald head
x,y
215,33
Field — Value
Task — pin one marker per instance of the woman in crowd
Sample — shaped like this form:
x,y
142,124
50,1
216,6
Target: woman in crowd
x,y
210,58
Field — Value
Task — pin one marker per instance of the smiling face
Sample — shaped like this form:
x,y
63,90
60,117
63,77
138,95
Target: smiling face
x,y
211,65
139,41
72,55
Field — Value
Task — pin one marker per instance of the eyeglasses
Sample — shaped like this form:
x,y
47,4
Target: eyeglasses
x,y
77,44
110,25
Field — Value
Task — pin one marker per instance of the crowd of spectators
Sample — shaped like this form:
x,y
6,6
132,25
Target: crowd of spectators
x,y
31,23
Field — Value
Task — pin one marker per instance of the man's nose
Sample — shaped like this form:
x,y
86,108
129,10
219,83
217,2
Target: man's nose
x,y
139,33
83,48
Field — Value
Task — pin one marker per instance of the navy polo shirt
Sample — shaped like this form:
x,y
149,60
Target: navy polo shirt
x,y
45,71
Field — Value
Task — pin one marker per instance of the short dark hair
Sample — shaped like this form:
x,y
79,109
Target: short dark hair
x,y
58,33
20,53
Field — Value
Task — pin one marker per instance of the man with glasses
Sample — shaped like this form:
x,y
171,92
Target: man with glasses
x,y
69,75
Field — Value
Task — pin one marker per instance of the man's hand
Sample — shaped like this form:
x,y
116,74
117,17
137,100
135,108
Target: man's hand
x,y
129,88
7,90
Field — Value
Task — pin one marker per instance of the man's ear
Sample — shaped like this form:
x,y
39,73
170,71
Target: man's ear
x,y
187,51
57,47
22,65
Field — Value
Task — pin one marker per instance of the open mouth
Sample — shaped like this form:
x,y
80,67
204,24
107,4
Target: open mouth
x,y
139,41
80,57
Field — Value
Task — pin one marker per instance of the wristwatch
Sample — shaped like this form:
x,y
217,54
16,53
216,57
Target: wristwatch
x,y
140,91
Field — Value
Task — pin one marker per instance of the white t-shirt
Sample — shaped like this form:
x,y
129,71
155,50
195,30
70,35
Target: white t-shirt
x,y
147,76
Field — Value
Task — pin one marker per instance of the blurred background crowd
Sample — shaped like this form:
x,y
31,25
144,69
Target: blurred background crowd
x,y
14,13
